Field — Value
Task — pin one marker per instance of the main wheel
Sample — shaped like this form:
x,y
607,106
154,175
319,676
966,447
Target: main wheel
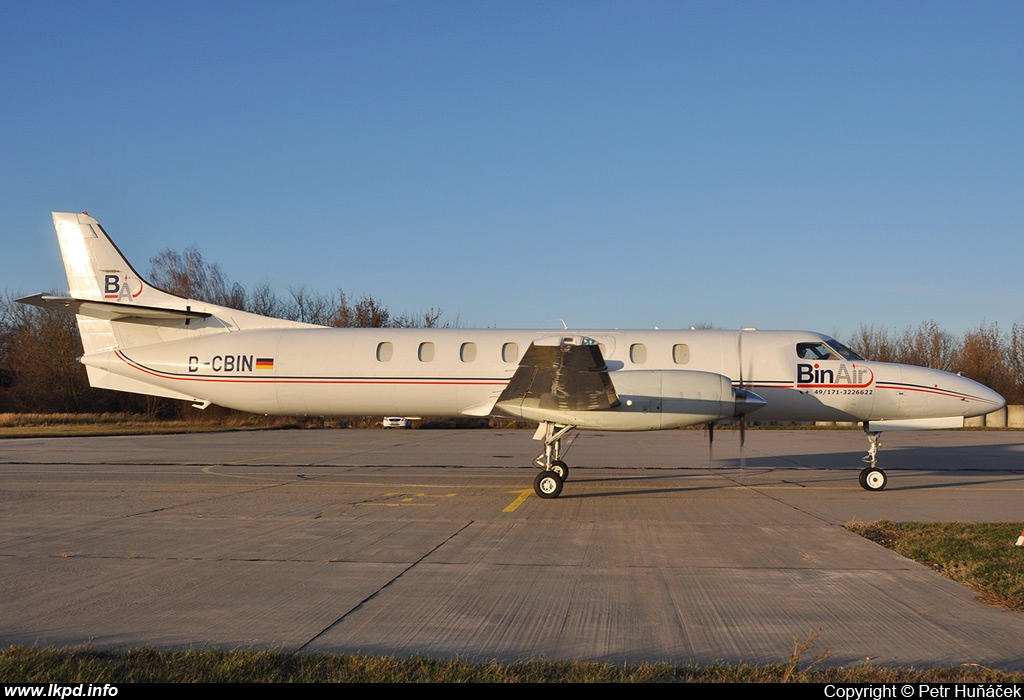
x,y
548,484
873,479
561,468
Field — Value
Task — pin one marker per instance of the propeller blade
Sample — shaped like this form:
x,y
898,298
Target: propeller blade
x,y
739,354
743,439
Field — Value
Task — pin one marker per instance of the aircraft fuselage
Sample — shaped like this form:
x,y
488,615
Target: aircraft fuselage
x,y
453,372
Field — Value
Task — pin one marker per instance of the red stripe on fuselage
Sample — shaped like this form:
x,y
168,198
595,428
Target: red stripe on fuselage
x,y
295,380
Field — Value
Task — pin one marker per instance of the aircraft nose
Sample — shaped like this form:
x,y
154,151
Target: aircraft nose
x,y
980,399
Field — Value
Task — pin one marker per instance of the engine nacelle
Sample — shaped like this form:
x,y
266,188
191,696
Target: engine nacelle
x,y
650,400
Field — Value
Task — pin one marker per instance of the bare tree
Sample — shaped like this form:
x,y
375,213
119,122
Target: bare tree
x,y
264,301
309,307
370,313
1015,363
189,275
38,348
928,346
983,358
874,344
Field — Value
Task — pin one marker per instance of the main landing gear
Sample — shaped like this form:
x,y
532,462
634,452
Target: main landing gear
x,y
872,478
548,483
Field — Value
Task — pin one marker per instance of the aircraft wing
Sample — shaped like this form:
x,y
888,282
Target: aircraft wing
x,y
564,373
109,310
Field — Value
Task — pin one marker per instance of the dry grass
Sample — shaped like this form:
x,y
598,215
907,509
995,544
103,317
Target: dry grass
x,y
32,665
982,556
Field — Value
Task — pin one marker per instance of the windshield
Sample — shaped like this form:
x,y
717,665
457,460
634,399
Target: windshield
x,y
843,350
828,349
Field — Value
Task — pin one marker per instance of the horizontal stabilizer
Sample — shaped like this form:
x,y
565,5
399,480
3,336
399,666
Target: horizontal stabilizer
x,y
110,310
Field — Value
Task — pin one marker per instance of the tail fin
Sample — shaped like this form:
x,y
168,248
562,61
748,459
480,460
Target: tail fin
x,y
97,270
117,308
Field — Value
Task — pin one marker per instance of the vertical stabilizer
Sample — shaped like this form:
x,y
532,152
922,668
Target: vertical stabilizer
x,y
117,309
96,269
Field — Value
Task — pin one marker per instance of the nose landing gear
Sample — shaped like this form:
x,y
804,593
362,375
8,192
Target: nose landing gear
x,y
872,478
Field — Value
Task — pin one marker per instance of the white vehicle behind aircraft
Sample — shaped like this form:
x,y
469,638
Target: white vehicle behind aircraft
x,y
140,339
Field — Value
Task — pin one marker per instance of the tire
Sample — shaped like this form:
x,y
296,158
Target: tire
x,y
561,468
873,479
547,485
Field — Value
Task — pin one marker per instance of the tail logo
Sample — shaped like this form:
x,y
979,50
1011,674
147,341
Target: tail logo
x,y
121,288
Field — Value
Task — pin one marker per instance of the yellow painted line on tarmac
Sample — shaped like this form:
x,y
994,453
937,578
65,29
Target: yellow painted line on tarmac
x,y
520,500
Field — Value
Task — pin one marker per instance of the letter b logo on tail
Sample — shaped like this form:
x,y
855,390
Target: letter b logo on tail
x,y
111,286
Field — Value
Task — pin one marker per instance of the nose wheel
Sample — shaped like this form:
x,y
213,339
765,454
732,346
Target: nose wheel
x,y
872,479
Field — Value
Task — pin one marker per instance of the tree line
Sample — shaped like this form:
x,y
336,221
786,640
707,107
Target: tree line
x,y
38,347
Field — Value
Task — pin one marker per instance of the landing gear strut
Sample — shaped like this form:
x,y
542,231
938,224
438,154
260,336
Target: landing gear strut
x,y
872,478
548,483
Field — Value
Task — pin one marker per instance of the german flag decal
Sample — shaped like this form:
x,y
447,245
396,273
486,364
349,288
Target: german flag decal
x,y
264,363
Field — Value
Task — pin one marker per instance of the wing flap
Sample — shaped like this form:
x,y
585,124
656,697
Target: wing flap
x,y
568,376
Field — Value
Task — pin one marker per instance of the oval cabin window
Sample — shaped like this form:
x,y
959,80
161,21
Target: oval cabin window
x,y
638,353
510,352
680,354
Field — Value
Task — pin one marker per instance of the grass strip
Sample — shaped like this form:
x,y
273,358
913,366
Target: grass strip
x,y
51,665
982,556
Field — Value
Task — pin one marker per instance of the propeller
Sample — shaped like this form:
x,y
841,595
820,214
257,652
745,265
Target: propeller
x,y
746,401
711,440
743,392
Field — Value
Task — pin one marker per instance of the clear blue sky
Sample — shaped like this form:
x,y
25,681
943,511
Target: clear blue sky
x,y
815,165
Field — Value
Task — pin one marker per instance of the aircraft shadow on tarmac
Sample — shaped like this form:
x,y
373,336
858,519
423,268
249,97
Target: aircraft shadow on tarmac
x,y
977,465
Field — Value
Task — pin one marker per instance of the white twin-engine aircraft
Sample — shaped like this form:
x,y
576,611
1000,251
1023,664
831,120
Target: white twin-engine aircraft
x,y
140,339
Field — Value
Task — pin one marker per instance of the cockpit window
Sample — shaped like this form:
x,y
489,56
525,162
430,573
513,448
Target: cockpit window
x,y
832,350
843,350
814,351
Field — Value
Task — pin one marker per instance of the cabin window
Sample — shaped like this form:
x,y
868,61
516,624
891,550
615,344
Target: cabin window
x,y
638,353
468,352
681,354
426,353
510,352
385,351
